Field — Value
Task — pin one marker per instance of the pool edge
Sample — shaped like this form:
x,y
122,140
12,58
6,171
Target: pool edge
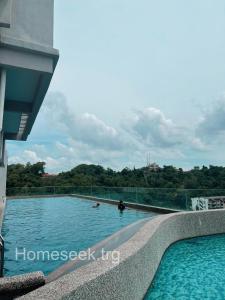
x,y
132,205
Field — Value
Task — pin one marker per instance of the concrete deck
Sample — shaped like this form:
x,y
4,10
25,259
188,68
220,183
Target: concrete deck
x,y
12,287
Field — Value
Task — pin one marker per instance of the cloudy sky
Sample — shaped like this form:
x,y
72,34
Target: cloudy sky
x,y
134,77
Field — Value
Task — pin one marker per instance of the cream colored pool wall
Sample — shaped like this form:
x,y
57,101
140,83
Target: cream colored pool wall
x,y
139,259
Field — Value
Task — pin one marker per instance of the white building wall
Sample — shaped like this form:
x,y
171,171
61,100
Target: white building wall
x,y
5,13
30,21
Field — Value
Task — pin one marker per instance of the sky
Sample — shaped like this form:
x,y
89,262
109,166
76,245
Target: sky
x,y
134,77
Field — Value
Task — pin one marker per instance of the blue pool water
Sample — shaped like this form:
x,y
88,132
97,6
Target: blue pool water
x,y
57,224
191,269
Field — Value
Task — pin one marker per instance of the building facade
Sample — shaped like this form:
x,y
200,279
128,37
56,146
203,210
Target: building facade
x,y
205,203
27,64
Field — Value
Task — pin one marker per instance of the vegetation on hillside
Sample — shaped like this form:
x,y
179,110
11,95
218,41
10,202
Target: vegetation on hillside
x,y
32,175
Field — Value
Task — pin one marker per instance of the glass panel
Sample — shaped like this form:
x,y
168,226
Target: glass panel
x,y
177,199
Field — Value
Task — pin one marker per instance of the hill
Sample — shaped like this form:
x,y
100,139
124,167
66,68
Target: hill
x,y
32,175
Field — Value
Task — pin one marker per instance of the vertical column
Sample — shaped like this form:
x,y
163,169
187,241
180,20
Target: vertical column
x,y
2,95
3,168
2,102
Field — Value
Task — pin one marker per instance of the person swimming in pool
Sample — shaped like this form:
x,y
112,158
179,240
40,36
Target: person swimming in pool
x,y
121,206
96,205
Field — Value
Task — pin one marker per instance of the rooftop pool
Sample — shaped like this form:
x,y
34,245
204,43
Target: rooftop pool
x,y
191,269
57,224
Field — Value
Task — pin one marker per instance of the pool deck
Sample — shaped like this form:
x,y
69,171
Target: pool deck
x,y
140,257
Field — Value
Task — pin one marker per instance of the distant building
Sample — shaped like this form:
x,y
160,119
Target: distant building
x,y
205,203
47,175
153,167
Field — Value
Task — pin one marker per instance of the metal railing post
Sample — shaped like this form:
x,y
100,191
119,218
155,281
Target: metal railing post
x,y
186,200
1,256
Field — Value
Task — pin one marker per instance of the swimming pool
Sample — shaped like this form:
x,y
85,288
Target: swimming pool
x,y
56,224
191,269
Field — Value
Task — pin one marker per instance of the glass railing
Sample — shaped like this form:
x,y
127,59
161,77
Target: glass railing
x,y
177,199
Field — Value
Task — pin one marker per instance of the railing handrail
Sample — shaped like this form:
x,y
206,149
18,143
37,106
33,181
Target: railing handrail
x,y
117,187
178,198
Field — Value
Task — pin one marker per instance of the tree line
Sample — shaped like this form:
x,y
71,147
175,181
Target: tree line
x,y
33,175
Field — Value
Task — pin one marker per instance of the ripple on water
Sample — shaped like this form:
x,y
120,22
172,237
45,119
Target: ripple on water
x,y
191,269
58,224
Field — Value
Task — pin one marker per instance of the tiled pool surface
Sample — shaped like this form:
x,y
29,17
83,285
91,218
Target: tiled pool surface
x,y
59,224
191,269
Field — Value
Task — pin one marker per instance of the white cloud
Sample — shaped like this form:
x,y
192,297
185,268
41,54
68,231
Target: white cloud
x,y
198,144
87,139
211,128
86,128
151,127
25,156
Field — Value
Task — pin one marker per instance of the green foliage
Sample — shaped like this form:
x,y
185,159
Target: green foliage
x,y
25,175
29,175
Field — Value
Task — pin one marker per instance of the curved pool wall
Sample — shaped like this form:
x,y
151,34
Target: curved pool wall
x,y
109,244
139,259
